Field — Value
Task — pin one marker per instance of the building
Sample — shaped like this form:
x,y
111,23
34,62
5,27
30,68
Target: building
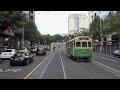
x,y
77,22
30,15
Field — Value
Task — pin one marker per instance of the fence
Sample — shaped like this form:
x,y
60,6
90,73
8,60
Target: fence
x,y
107,49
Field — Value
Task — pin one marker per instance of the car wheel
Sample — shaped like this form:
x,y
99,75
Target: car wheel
x,y
11,64
26,62
32,59
114,55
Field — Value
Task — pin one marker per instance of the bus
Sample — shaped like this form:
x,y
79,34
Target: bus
x,y
80,48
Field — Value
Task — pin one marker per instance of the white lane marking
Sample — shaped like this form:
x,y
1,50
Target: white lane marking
x,y
63,66
106,55
66,53
46,67
10,70
36,67
108,59
106,66
13,70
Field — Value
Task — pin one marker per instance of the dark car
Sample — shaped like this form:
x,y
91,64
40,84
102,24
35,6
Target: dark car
x,y
116,53
21,58
33,49
41,51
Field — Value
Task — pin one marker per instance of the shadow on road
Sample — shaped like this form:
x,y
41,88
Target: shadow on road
x,y
3,61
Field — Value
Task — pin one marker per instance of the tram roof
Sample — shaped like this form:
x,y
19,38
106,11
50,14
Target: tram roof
x,y
78,38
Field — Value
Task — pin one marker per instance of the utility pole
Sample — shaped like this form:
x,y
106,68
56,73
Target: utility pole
x,y
22,37
101,35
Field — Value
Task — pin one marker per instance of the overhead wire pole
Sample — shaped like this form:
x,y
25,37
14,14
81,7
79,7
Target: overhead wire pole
x,y
101,35
22,37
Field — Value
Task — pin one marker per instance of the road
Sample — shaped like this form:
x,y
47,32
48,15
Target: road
x,y
57,65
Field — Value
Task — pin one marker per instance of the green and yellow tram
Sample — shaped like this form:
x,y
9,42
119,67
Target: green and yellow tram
x,y
80,48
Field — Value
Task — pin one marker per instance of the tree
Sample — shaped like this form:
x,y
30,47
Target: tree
x,y
31,32
109,23
12,19
57,38
95,28
85,32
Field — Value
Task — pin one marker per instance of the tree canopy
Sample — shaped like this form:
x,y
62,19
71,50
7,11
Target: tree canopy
x,y
12,19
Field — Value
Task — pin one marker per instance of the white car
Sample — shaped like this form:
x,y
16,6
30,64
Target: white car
x,y
7,54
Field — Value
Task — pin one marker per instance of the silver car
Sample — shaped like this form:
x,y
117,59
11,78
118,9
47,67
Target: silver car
x,y
116,53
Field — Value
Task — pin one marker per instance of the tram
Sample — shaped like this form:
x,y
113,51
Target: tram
x,y
80,48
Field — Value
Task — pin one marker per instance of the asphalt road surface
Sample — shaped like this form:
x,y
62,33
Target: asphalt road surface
x,y
57,65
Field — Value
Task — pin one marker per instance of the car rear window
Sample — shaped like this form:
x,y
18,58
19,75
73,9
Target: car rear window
x,y
8,51
19,54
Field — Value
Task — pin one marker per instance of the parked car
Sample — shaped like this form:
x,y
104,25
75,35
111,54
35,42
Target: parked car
x,y
48,48
116,53
41,51
7,54
21,58
33,50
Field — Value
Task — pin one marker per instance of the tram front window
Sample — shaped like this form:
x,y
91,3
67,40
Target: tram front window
x,y
84,44
78,44
89,44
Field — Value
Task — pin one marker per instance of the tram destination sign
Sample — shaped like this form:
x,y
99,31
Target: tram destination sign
x,y
83,38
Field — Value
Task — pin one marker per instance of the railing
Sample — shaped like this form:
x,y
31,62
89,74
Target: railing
x,y
107,49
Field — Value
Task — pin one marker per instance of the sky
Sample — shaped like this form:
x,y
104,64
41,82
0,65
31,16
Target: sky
x,y
53,22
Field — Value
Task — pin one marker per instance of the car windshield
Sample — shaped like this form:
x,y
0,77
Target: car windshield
x,y
8,51
19,54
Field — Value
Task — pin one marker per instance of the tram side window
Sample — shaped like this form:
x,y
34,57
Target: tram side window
x,y
84,44
78,44
71,45
89,44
